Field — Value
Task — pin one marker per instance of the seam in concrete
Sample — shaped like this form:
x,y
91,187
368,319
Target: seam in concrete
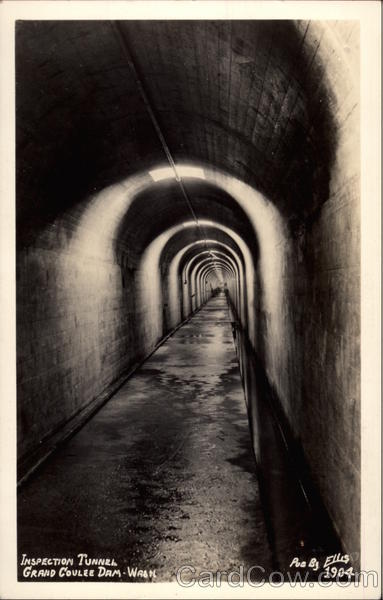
x,y
33,462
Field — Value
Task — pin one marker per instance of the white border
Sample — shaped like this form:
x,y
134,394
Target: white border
x,y
368,13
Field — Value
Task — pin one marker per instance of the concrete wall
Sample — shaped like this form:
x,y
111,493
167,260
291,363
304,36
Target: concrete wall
x,y
309,343
329,292
75,333
318,381
85,316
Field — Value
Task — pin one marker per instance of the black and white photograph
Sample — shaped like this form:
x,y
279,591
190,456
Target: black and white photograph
x,y
190,296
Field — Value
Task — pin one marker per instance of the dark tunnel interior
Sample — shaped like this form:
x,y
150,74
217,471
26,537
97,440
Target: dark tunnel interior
x,y
165,167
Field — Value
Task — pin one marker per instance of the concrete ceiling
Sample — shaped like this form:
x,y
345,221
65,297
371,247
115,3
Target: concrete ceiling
x,y
247,97
164,200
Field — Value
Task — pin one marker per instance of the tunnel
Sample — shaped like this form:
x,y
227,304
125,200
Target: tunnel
x,y
188,293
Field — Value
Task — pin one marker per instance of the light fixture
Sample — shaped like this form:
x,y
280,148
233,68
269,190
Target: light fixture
x,y
195,172
182,171
159,174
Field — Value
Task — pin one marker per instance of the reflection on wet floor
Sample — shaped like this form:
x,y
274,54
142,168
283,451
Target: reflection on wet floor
x,y
164,474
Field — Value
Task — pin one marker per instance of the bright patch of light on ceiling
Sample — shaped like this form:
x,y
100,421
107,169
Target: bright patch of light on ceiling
x,y
182,171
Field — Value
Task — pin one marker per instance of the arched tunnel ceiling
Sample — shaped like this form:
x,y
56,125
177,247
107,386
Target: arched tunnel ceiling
x,y
207,267
216,239
214,248
221,271
200,261
162,206
249,97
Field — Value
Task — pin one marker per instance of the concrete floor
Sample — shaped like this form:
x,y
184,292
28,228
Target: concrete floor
x,y
163,475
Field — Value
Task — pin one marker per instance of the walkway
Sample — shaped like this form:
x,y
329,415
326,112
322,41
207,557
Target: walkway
x,y
163,475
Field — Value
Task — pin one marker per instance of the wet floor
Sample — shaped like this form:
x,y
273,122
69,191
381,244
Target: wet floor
x,y
163,475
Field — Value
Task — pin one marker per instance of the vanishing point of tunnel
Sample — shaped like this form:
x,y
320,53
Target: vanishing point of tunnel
x,y
188,289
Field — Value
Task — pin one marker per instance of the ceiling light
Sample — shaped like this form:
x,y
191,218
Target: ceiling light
x,y
195,172
182,171
158,174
